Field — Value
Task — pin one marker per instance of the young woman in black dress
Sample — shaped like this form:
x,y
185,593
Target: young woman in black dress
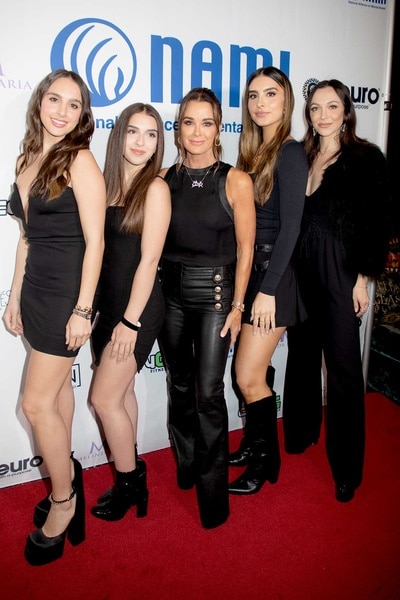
x,y
131,303
343,243
279,168
205,270
59,196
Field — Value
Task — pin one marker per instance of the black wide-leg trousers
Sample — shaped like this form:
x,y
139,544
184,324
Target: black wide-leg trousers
x,y
332,329
198,300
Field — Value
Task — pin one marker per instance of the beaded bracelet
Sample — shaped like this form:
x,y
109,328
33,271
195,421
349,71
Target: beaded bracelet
x,y
131,325
238,305
80,313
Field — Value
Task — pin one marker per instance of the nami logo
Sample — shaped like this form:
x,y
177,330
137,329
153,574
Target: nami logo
x,y
102,55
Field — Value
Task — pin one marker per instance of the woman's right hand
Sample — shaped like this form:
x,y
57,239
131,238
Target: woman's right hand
x,y
12,317
122,342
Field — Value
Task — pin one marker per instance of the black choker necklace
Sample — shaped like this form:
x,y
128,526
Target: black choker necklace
x,y
195,182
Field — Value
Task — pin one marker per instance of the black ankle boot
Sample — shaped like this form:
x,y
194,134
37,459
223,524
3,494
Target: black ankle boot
x,y
41,550
264,460
142,470
42,508
129,490
241,456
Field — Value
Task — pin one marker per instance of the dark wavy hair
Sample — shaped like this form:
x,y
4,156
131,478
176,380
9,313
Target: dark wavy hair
x,y
134,198
53,176
347,137
254,156
200,94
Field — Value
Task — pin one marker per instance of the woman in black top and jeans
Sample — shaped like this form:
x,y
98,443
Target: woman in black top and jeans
x,y
205,270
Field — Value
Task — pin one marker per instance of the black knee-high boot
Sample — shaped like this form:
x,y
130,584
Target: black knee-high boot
x,y
240,457
264,460
129,490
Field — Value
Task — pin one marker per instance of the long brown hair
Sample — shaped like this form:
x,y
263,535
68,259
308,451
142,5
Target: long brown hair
x,y
134,198
200,94
254,156
347,134
53,176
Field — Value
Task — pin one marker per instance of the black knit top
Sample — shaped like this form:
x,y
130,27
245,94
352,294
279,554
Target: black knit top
x,y
201,232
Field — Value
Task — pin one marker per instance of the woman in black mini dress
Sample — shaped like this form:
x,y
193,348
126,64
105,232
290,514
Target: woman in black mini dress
x,y
59,196
131,303
279,168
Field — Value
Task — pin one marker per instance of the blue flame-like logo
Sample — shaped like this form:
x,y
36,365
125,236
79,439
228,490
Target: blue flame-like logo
x,y
101,54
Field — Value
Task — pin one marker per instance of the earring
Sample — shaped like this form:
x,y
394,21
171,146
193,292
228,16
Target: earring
x,y
314,132
343,127
217,141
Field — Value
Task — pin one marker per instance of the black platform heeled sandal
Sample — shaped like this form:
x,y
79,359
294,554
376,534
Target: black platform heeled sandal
x,y
42,508
41,550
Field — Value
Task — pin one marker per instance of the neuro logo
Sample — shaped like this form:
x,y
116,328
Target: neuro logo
x,y
101,54
362,96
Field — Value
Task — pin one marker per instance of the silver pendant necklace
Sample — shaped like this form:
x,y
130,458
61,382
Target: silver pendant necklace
x,y
195,182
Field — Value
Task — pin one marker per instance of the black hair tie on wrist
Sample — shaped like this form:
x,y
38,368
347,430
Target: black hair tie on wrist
x,y
131,325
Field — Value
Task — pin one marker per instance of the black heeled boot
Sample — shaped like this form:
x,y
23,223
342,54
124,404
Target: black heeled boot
x,y
42,508
264,461
129,490
41,550
241,456
140,465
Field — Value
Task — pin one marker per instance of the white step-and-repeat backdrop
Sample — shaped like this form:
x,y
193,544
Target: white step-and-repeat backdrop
x,y
130,51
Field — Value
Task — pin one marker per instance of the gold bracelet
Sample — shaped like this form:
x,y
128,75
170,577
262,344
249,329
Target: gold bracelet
x,y
84,309
238,305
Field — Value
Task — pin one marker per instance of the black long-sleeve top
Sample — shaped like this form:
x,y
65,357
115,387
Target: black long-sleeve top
x,y
279,219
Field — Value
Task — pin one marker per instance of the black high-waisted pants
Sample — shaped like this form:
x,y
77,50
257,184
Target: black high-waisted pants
x,y
198,300
332,328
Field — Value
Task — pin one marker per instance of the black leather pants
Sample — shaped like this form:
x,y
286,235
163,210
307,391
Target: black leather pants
x,y
198,300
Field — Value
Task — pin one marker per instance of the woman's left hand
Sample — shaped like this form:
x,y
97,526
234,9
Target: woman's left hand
x,y
360,300
77,332
233,324
263,314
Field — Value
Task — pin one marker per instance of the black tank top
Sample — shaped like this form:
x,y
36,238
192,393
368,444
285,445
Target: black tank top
x,y
201,232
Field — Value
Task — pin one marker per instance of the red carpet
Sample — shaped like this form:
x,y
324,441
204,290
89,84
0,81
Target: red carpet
x,y
291,541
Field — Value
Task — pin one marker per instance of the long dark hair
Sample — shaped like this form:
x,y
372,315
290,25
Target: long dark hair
x,y
134,198
254,156
53,176
200,94
347,134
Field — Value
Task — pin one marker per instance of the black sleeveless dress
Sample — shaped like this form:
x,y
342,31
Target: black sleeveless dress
x,y
51,283
121,258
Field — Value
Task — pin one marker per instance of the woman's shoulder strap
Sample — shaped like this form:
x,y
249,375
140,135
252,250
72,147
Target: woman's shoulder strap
x,y
222,174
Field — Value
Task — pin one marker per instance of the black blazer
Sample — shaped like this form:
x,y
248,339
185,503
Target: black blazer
x,y
355,191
